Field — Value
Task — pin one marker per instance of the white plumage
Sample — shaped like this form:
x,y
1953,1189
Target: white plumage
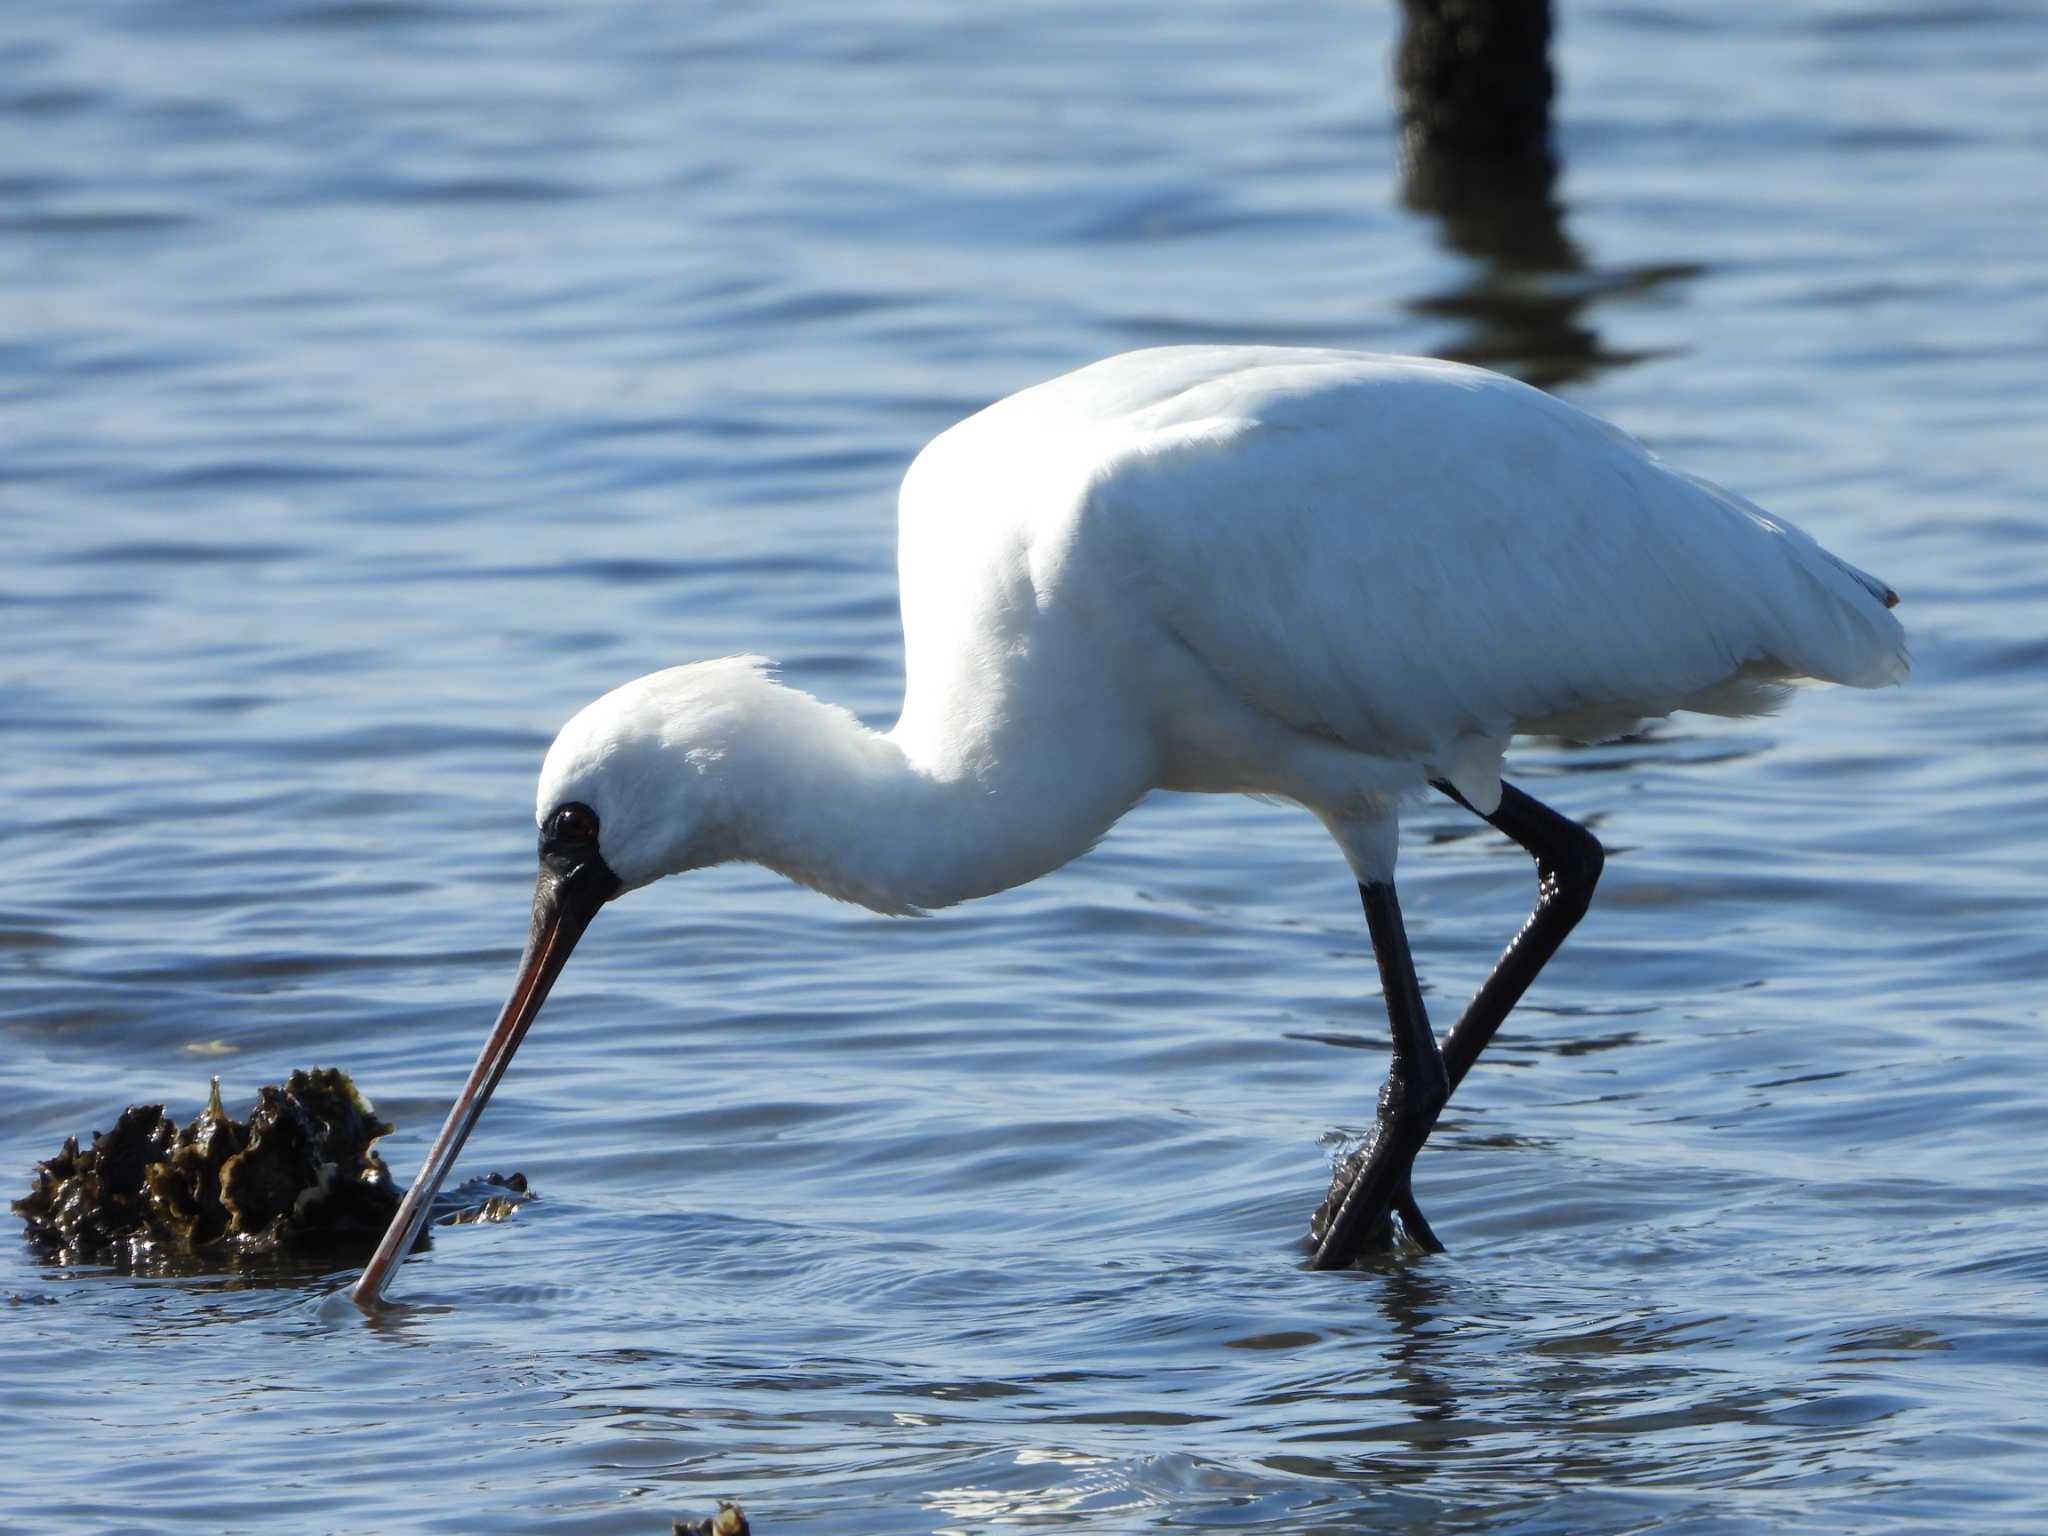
x,y
1320,576
1326,577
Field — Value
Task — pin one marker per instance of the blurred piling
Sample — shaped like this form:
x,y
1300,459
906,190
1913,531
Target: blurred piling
x,y
1473,88
1474,83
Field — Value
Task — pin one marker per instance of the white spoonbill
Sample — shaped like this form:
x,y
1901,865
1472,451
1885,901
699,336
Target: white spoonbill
x,y
1327,577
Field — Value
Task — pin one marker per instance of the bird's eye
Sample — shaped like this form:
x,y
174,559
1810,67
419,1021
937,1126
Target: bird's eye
x,y
573,823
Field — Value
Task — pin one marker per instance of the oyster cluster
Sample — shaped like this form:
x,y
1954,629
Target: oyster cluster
x,y
298,1179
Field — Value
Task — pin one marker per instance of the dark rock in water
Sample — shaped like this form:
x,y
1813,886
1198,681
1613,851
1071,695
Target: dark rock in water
x,y
729,1521
299,1178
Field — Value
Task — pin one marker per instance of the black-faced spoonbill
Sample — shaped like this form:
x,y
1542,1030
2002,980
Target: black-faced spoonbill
x,y
1326,577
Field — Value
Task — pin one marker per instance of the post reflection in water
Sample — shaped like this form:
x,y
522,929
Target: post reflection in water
x,y
1473,88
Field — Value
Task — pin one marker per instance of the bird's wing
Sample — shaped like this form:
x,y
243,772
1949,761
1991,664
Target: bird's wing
x,y
1399,554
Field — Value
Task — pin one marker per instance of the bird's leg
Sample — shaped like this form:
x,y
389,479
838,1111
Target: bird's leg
x,y
1376,1180
1568,863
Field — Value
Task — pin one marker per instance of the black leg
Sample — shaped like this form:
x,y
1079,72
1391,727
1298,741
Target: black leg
x,y
1375,1180
1568,863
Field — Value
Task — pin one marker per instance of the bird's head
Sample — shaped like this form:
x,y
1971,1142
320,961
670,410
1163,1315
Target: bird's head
x,y
650,776
649,780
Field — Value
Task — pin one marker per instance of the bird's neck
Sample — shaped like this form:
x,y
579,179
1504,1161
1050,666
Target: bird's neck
x,y
916,819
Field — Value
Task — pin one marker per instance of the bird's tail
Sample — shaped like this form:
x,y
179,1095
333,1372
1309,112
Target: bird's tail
x,y
1859,642
1835,621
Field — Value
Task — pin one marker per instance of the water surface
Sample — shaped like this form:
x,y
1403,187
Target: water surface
x,y
378,382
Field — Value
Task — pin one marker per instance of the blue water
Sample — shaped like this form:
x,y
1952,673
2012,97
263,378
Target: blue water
x,y
380,381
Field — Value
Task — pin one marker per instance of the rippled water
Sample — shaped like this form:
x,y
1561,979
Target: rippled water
x,y
380,381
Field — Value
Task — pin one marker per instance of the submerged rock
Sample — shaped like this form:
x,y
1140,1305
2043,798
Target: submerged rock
x,y
300,1179
729,1521
491,1198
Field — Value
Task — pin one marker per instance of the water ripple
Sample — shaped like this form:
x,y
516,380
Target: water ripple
x,y
384,378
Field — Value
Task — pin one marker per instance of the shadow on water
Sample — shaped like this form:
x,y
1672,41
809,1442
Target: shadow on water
x,y
1473,84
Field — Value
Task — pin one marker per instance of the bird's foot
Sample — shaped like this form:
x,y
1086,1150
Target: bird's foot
x,y
1378,1232
1371,1204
